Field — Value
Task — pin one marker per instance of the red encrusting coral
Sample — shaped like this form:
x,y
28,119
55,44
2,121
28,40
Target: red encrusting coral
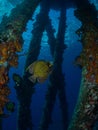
x,y
9,46
89,55
86,110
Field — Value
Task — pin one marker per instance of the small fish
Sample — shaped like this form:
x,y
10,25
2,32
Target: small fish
x,y
39,70
10,106
17,79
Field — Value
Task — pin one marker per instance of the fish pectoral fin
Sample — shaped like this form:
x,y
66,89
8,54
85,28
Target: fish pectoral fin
x,y
41,80
32,79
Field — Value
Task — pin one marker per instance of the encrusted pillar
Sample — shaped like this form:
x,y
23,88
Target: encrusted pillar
x,y
86,112
56,83
11,29
25,88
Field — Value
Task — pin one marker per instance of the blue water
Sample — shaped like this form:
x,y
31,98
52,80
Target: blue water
x,y
72,72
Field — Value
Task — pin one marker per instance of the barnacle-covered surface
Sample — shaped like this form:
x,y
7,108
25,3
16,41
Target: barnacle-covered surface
x,y
11,29
89,55
86,112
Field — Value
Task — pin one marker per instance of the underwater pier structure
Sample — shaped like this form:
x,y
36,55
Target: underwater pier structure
x,y
11,29
56,81
86,111
27,87
24,109
11,42
40,25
